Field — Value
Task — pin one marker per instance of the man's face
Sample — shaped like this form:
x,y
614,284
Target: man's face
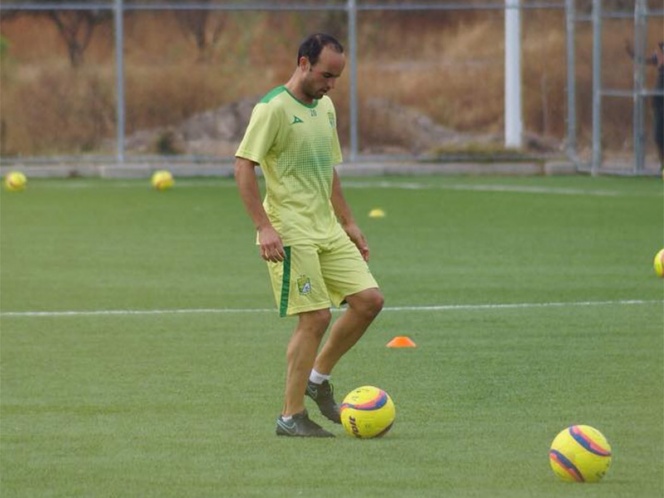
x,y
321,78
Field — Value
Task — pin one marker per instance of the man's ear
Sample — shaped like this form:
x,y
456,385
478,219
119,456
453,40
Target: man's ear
x,y
304,63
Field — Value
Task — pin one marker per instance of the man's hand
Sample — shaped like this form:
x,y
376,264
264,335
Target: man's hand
x,y
358,239
271,246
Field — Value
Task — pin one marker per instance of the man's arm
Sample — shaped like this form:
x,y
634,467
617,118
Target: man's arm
x,y
345,217
271,246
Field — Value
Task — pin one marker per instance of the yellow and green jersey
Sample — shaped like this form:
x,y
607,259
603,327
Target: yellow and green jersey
x,y
297,147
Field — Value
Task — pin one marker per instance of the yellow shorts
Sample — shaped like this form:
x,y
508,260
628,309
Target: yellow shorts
x,y
316,276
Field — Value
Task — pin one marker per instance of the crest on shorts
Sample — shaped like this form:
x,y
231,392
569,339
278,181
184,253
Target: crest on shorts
x,y
304,284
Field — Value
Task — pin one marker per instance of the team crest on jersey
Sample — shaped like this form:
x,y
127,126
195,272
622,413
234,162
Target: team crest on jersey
x,y
304,284
330,117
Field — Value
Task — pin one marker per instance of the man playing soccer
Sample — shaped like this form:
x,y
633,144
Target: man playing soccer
x,y
316,254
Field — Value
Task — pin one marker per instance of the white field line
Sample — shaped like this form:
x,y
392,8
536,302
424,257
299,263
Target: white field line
x,y
519,189
448,307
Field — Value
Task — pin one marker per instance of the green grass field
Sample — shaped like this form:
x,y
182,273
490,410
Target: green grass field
x,y
141,354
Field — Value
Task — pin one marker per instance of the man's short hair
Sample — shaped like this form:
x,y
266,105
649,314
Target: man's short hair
x,y
313,45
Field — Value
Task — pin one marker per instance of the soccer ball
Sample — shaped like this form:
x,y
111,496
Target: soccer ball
x,y
162,180
659,263
367,412
580,453
15,181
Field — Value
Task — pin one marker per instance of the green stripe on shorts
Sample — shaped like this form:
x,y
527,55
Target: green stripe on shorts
x,y
285,283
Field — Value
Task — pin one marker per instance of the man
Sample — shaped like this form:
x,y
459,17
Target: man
x,y
315,252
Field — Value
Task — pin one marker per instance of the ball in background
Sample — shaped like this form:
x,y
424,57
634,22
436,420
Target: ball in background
x,y
367,412
162,180
580,453
15,181
658,264
377,213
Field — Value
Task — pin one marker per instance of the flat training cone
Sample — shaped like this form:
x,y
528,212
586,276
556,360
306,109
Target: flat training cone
x,y
401,341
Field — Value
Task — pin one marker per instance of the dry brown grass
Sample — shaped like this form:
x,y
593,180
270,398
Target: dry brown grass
x,y
447,65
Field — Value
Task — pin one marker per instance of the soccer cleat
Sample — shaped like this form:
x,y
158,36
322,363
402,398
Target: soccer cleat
x,y
323,395
300,426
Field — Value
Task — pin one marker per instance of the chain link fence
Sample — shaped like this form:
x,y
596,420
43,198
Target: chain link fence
x,y
129,81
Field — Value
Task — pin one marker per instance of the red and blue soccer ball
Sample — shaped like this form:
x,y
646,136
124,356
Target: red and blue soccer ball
x,y
580,453
367,412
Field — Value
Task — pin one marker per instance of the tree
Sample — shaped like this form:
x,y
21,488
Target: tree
x,y
75,26
204,26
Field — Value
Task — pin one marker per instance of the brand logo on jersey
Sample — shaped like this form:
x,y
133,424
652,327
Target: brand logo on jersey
x,y
304,284
330,117
296,120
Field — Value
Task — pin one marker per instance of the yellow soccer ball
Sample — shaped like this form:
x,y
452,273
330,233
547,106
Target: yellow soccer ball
x,y
15,181
367,412
162,180
658,264
580,453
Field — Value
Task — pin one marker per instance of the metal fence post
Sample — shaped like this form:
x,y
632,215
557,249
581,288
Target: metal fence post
x,y
597,87
513,113
119,69
640,33
570,18
352,49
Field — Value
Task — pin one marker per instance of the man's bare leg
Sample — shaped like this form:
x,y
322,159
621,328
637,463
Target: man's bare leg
x,y
300,356
363,308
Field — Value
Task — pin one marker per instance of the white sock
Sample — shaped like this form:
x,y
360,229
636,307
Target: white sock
x,y
317,377
286,418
